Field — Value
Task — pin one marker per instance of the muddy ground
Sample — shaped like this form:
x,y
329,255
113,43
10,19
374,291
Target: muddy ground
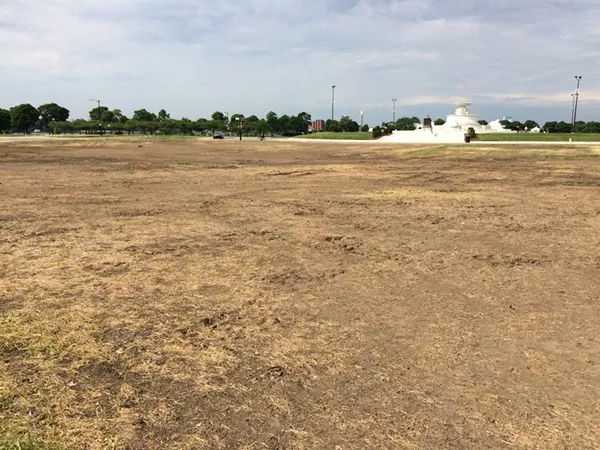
x,y
280,295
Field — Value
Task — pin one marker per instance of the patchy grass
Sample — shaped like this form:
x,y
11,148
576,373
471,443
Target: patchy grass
x,y
299,296
431,151
25,443
359,135
478,151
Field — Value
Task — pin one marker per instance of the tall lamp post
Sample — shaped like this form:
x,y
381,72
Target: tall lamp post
x,y
100,118
240,125
333,102
394,100
578,78
572,112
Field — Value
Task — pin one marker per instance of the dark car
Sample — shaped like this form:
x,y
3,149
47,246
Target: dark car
x,y
218,135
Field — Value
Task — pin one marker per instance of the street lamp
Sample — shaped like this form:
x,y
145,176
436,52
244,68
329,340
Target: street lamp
x,y
394,100
578,78
100,114
333,102
240,125
41,125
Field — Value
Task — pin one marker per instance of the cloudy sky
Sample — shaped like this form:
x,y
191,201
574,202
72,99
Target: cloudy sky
x,y
509,57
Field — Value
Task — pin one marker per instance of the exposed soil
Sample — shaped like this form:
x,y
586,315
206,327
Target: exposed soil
x,y
281,295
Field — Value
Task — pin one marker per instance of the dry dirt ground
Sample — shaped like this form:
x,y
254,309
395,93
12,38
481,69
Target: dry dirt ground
x,y
279,295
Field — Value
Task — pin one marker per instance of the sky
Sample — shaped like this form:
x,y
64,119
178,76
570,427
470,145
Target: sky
x,y
510,58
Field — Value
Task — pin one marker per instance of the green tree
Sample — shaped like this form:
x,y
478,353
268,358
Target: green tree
x,y
557,127
4,121
530,124
61,127
406,123
273,122
218,116
303,121
332,126
96,113
185,125
163,115
107,116
23,117
590,127
263,126
284,125
144,116
51,112
377,132
118,116
348,125
482,122
364,128
439,122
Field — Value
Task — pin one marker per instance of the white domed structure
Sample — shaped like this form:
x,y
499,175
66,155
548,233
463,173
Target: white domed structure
x,y
462,119
453,131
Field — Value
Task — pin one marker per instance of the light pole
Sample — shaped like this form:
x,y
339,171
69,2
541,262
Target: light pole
x,y
100,114
333,102
394,116
240,125
578,78
572,112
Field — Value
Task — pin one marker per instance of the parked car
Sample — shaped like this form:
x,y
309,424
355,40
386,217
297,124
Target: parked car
x,y
218,135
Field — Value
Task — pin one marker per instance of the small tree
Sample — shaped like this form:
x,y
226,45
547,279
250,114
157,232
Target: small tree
x,y
482,122
471,133
364,128
377,132
439,122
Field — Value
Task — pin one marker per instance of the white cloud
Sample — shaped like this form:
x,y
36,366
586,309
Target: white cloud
x,y
195,56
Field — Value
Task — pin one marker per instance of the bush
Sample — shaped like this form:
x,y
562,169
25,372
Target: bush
x,y
377,132
364,128
471,133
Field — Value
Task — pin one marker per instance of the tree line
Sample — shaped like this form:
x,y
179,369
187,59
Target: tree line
x,y
54,118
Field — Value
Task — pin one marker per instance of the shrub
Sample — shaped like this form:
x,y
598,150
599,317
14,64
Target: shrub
x,y
471,133
377,132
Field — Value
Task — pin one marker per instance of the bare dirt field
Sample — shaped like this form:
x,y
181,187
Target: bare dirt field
x,y
283,295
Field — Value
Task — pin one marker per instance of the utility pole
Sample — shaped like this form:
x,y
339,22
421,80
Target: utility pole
x,y
394,116
578,78
333,102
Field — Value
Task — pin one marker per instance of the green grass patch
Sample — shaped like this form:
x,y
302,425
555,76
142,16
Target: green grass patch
x,y
498,152
539,137
25,443
359,136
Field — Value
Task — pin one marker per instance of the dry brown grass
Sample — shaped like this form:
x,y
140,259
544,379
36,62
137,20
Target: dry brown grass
x,y
296,296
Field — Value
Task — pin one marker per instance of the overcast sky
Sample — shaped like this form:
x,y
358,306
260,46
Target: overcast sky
x,y
192,57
